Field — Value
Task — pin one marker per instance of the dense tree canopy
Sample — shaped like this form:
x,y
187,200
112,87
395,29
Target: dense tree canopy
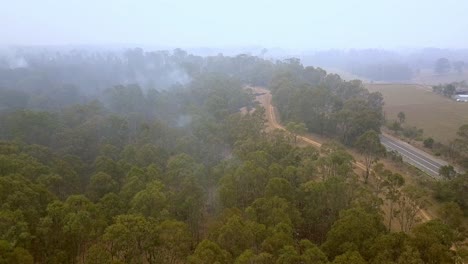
x,y
148,158
325,103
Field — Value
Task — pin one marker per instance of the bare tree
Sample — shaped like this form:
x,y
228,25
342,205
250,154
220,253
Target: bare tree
x,y
409,204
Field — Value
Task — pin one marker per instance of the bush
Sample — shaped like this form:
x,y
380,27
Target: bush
x,y
394,126
447,171
428,142
395,156
412,132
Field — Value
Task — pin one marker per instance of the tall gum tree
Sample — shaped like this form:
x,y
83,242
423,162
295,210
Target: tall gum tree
x,y
371,149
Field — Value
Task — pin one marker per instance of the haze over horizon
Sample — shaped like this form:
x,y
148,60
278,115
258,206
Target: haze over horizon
x,y
296,24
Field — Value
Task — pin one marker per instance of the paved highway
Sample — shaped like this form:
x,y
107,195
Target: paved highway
x,y
414,156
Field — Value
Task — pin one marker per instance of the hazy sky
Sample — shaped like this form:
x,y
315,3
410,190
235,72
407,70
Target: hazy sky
x,y
294,24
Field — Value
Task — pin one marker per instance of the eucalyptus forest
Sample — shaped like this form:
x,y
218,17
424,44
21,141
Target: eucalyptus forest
x,y
167,157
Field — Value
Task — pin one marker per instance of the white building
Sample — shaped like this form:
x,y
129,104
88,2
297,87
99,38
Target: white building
x,y
461,97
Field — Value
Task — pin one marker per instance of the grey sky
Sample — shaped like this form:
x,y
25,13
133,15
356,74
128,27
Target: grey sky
x,y
294,24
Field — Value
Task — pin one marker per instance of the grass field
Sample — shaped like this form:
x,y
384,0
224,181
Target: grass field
x,y
440,117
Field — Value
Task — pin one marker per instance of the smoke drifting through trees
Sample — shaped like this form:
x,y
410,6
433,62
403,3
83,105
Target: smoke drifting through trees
x,y
96,171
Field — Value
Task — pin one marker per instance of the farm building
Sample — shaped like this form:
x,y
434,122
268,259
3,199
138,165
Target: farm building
x,y
461,97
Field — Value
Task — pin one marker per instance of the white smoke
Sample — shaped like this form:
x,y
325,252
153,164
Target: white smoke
x,y
18,62
183,120
179,76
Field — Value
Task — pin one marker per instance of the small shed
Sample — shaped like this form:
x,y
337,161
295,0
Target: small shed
x,y
461,97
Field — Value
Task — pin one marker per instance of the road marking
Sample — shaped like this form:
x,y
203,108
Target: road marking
x,y
421,158
415,161
413,152
436,172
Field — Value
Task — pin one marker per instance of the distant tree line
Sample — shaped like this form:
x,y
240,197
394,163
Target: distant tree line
x,y
449,89
443,66
88,72
389,65
386,71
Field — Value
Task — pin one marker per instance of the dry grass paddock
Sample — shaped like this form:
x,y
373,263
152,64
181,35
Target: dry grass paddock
x,y
440,117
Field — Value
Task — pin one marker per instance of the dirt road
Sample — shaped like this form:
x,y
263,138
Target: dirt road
x,y
264,98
